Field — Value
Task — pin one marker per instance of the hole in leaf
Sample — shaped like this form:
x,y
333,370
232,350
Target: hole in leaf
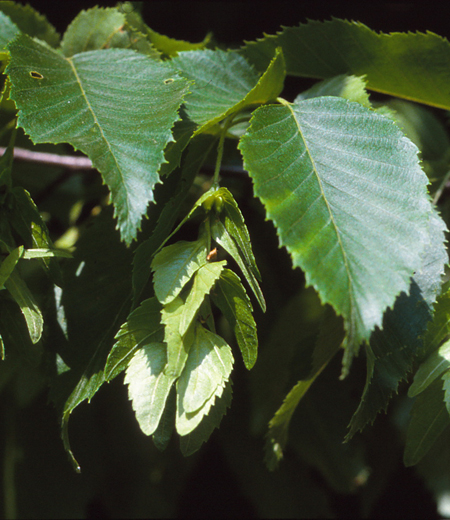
x,y
36,75
168,81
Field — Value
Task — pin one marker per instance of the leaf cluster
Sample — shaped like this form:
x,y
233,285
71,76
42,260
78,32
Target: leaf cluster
x,y
351,186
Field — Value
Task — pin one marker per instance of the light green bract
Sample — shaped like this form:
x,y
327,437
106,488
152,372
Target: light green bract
x,y
348,198
115,105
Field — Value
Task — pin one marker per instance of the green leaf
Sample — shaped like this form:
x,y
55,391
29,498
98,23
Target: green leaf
x,y
429,418
163,433
328,343
28,21
27,221
175,265
104,28
62,100
226,84
23,297
433,367
9,263
407,65
224,231
352,88
348,198
8,30
92,29
177,345
208,367
230,296
148,386
204,280
143,326
191,442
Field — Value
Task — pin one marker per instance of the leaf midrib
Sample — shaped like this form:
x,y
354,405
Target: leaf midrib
x,y
333,221
97,123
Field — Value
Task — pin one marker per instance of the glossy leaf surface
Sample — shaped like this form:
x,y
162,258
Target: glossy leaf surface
x,y
148,386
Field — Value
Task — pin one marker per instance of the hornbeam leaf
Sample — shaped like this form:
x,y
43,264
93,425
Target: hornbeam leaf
x,y
174,266
92,29
208,366
429,418
28,21
204,280
222,236
115,105
230,296
8,30
143,326
148,386
9,263
104,28
348,198
225,84
191,442
177,345
408,65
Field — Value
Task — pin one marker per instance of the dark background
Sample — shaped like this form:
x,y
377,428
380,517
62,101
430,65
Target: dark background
x,y
122,474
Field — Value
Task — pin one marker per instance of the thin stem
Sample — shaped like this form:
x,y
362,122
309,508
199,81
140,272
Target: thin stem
x,y
225,128
441,188
51,159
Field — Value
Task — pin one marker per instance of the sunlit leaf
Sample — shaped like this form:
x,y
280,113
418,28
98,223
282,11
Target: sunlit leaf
x,y
191,442
178,345
143,326
148,386
208,367
225,84
204,280
348,198
63,100
230,296
174,266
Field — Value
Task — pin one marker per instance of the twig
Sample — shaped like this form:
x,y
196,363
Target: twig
x,y
73,162
70,162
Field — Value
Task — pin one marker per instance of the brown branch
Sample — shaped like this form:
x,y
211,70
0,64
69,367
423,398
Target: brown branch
x,y
70,162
